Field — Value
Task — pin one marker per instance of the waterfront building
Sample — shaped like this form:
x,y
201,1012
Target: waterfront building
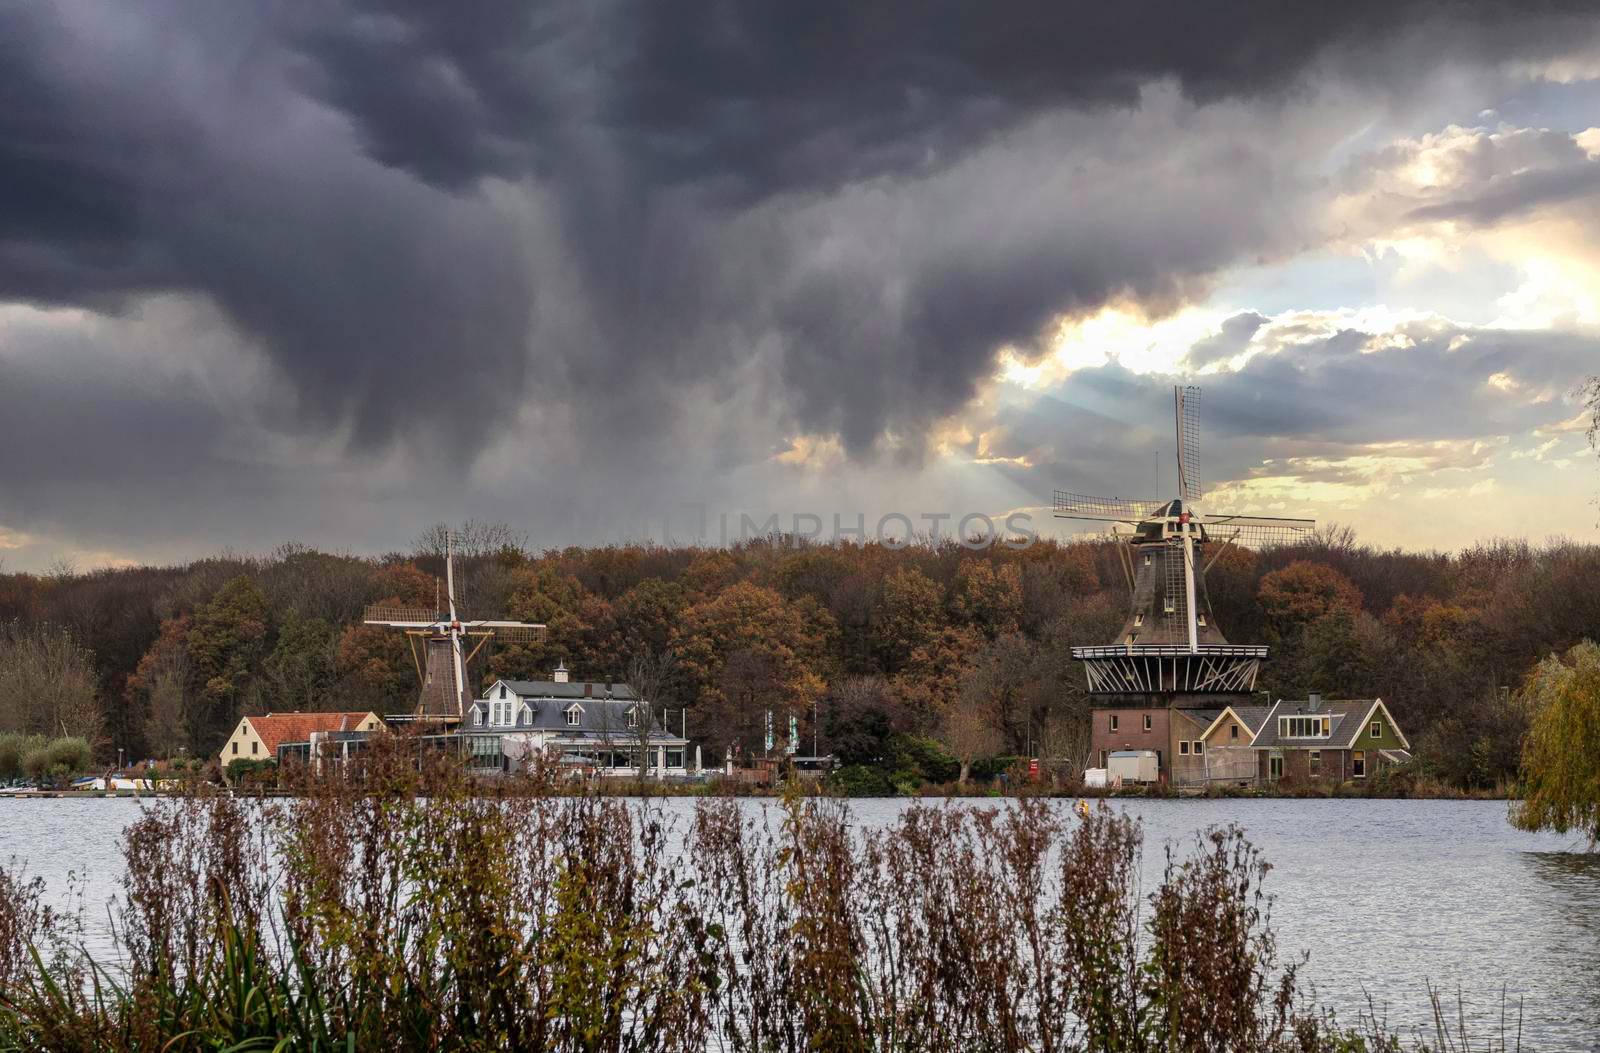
x,y
1314,740
259,737
599,726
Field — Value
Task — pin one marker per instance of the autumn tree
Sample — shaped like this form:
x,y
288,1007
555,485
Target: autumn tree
x,y
650,676
1303,592
162,691
48,683
572,617
910,614
226,644
988,597
1561,758
300,670
645,616
781,647
969,727
932,677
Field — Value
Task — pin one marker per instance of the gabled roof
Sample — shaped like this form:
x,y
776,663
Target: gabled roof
x,y
599,717
1252,717
1347,719
1203,717
581,689
275,729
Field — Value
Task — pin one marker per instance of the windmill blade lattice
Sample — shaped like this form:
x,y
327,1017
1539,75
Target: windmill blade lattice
x,y
1115,509
419,617
1257,535
1188,420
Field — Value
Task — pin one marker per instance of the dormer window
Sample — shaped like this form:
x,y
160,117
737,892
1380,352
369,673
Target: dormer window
x,y
1303,727
477,717
1169,606
1200,619
633,717
1138,619
574,716
1147,561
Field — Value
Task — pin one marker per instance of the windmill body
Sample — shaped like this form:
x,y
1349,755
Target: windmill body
x,y
1171,644
443,645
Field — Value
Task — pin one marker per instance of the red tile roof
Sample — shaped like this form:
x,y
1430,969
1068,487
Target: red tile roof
x,y
275,729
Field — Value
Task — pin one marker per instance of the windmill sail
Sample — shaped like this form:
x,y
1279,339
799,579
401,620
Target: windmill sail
x,y
1113,509
1186,411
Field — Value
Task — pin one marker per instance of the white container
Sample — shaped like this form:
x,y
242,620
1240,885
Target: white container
x,y
1134,765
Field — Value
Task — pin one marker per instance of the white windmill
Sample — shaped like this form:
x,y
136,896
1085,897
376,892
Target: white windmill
x,y
1170,642
442,668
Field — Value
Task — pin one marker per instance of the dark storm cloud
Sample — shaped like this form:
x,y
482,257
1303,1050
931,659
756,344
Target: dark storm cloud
x,y
648,242
318,171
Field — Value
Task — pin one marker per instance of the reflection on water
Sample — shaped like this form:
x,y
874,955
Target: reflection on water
x,y
1386,896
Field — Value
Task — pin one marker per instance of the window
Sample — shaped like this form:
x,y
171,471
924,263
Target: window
x,y
633,717
1377,729
255,746
1274,767
574,716
1233,731
1113,722
1102,758
477,717
502,691
236,748
1147,561
1183,747
1316,762
1168,606
1149,722
1199,747
1138,619
1358,764
1200,620
1303,727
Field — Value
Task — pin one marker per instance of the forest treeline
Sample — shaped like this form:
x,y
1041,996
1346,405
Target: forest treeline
x,y
919,660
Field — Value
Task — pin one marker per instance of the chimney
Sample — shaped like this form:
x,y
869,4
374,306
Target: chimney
x,y
561,672
1313,702
588,689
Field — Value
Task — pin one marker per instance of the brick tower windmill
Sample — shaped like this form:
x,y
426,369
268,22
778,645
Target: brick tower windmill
x,y
442,637
1171,644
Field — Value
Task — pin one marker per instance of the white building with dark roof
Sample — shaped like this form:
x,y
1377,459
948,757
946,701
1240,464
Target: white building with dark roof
x,y
587,724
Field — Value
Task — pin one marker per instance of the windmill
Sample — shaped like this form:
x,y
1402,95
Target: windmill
x,y
442,668
1170,642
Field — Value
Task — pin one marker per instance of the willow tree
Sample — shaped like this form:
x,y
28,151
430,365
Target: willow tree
x,y
1561,756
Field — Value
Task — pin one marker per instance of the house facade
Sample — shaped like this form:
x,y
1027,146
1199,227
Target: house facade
x,y
1131,728
1315,740
591,725
258,738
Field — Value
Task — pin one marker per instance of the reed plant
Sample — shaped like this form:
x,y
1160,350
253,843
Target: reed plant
x,y
404,907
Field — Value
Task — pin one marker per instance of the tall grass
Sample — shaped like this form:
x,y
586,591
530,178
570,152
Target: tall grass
x,y
413,910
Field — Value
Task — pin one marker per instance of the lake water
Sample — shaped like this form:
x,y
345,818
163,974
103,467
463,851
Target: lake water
x,y
1386,896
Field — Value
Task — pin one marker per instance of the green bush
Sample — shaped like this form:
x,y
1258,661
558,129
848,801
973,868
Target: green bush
x,y
245,769
13,748
862,780
71,755
55,760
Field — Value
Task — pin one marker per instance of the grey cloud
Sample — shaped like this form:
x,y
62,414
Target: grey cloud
x,y
615,230
1232,337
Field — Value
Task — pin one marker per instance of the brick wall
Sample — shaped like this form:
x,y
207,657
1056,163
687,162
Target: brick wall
x,y
1131,734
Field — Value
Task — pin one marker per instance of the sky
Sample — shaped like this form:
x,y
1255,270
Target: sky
x,y
609,271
